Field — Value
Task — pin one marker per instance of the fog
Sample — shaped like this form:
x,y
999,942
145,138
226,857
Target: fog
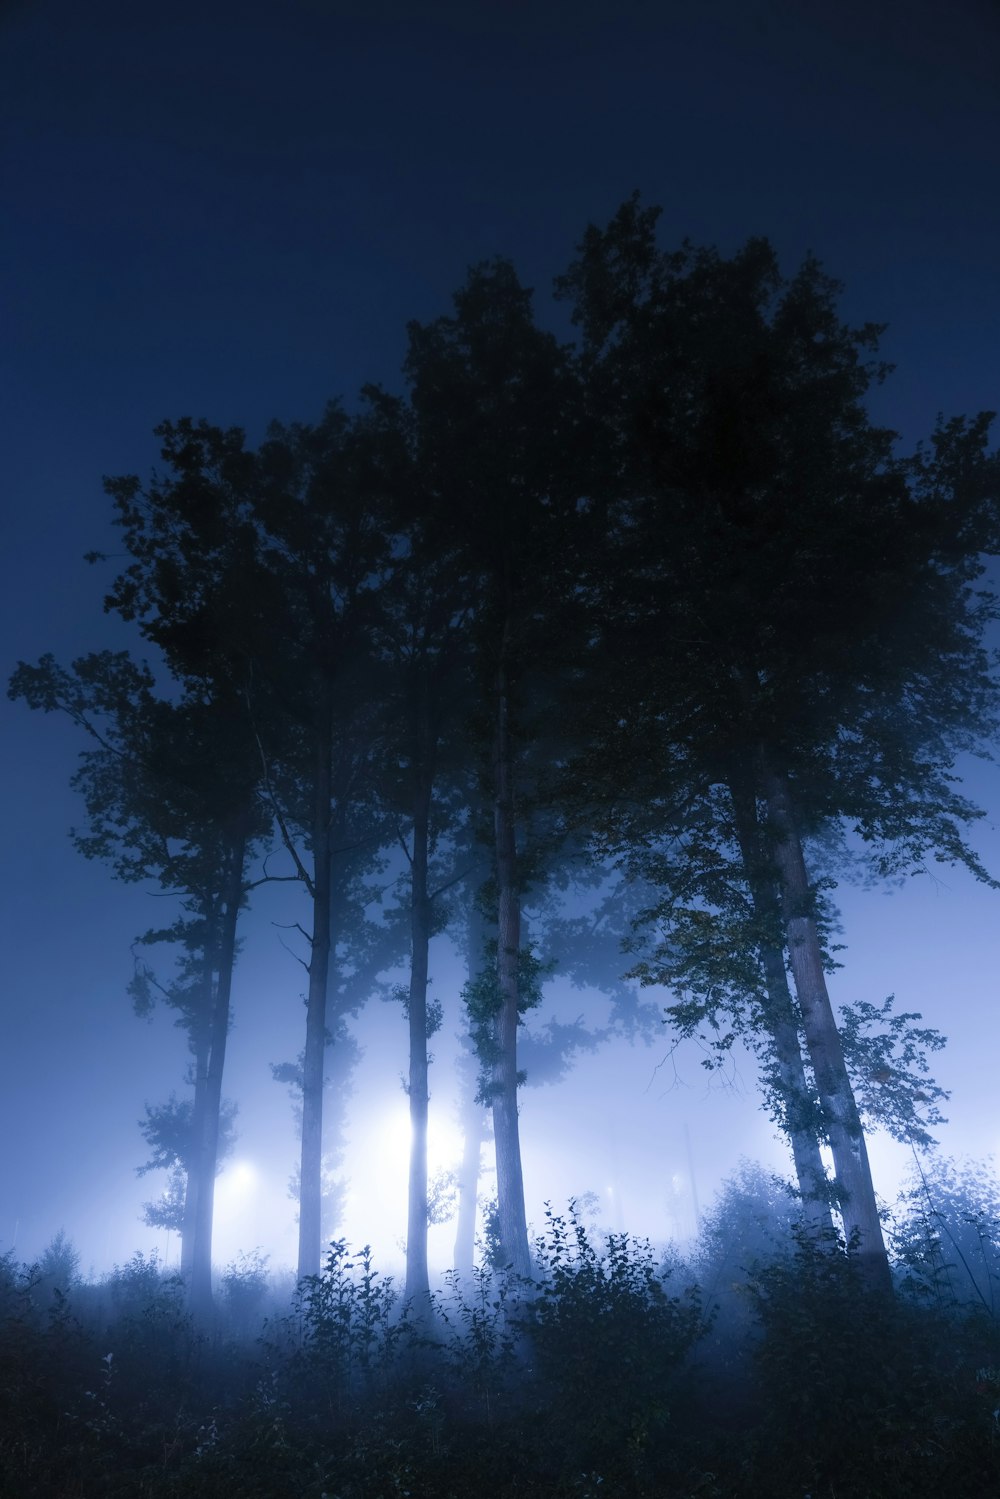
x,y
642,1125
179,248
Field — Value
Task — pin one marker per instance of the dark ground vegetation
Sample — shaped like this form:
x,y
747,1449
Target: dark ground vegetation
x,y
763,1369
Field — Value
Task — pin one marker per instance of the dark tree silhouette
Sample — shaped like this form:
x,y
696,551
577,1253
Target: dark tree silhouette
x,y
171,796
787,606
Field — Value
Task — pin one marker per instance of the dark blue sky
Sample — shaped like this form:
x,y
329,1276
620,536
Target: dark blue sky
x,y
231,211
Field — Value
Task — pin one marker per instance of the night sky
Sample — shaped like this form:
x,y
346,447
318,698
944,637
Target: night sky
x,y
231,212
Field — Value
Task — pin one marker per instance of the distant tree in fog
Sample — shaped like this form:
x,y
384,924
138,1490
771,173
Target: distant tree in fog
x,y
57,1270
749,1221
170,1132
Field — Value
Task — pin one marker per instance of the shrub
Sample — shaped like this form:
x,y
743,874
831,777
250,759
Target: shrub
x,y
480,1337
349,1328
945,1234
607,1338
244,1288
861,1394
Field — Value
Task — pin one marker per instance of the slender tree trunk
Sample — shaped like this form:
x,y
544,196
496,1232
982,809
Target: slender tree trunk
x,y
858,1206
788,1072
468,1185
417,1285
472,1115
513,1227
314,1055
202,1042
207,1161
790,1078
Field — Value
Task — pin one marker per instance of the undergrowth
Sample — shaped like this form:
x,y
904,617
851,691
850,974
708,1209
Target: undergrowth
x,y
604,1377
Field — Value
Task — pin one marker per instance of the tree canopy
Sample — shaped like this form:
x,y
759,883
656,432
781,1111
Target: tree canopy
x,y
635,620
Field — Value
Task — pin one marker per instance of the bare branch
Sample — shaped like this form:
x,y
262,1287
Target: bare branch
x,y
286,836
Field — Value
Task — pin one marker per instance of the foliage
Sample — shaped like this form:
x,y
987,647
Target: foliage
x,y
347,1327
857,1395
750,1222
480,1340
168,1130
588,1382
58,1268
886,1057
442,1197
489,1243
483,1001
945,1234
167,1210
607,1338
244,1286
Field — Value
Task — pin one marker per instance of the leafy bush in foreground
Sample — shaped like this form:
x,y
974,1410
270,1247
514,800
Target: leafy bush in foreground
x,y
607,1340
586,1382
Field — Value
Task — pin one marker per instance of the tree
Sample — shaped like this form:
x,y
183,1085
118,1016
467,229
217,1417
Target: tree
x,y
57,1272
427,779
797,618
171,1132
171,795
491,404
256,574
945,1233
345,1054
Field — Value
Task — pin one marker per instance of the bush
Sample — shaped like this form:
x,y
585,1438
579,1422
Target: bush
x,y
945,1235
244,1288
480,1336
348,1328
607,1338
861,1395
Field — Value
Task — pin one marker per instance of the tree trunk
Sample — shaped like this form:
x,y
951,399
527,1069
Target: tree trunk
x,y
314,1055
207,1157
202,1042
472,1116
787,1069
857,1203
468,1185
513,1227
417,1285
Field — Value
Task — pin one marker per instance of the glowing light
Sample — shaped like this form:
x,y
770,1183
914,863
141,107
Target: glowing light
x,y
238,1181
444,1142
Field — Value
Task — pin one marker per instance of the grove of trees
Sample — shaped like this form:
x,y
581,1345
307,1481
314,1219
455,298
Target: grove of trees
x,y
637,619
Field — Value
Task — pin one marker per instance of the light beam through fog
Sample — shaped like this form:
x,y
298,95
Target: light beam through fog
x,y
677,564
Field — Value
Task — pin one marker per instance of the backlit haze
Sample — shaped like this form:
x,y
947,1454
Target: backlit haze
x,y
231,212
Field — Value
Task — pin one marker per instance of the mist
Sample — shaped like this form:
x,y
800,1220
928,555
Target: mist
x,y
500,616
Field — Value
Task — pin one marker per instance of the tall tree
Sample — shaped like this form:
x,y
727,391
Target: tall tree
x,y
326,543
788,596
171,795
426,639
255,573
490,397
169,1131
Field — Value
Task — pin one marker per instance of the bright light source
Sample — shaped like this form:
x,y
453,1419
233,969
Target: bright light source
x,y
238,1180
444,1142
